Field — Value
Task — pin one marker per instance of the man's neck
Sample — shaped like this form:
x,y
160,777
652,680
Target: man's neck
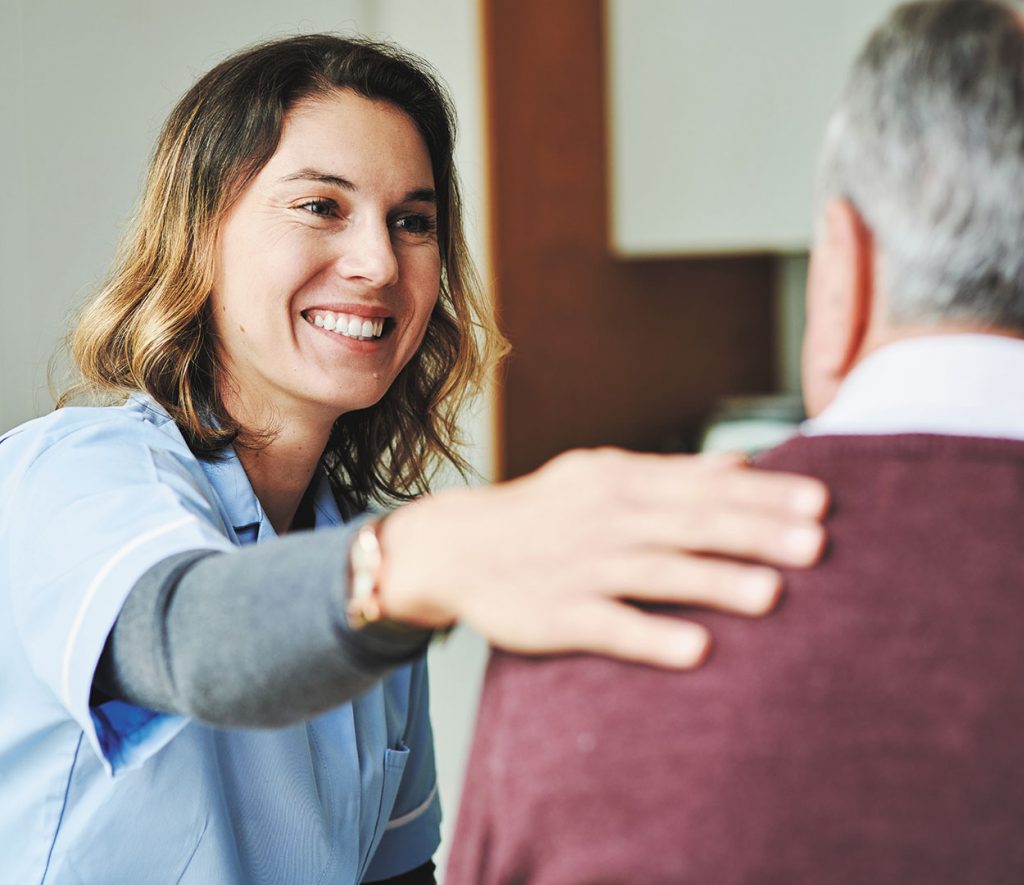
x,y
960,384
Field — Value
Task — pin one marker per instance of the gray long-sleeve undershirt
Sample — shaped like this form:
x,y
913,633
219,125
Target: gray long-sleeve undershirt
x,y
252,638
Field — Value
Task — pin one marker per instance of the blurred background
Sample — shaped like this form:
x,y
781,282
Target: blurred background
x,y
638,176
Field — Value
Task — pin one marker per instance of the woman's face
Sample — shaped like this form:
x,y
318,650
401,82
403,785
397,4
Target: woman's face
x,y
327,265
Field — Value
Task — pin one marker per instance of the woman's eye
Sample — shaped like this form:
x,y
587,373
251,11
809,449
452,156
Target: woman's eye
x,y
320,207
419,225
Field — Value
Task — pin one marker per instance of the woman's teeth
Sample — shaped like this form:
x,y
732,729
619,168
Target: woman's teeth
x,y
346,324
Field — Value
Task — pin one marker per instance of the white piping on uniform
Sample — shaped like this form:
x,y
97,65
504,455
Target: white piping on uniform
x,y
94,587
410,816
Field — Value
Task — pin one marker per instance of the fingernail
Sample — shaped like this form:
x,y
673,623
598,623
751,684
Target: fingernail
x,y
810,499
803,544
761,588
690,646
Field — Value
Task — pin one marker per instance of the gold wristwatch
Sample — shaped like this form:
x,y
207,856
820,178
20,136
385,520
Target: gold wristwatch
x,y
363,604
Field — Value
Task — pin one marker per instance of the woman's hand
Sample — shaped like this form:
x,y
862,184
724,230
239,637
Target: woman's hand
x,y
542,564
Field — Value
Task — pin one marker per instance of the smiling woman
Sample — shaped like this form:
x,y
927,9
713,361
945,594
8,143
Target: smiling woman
x,y
221,676
355,245
356,143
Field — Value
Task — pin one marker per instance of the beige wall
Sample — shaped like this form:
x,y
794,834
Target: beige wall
x,y
717,110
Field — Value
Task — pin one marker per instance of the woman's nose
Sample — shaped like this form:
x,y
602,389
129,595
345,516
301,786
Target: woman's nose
x,y
368,254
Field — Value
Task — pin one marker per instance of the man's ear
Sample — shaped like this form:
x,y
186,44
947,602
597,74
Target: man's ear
x,y
840,294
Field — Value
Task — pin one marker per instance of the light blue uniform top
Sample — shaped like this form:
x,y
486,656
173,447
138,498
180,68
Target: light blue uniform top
x,y
90,499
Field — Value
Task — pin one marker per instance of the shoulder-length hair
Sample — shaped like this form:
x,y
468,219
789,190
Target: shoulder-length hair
x,y
149,328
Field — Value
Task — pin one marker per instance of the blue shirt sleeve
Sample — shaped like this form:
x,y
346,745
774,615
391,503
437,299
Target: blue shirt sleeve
x,y
93,498
413,831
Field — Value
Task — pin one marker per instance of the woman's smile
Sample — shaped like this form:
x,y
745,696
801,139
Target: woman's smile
x,y
348,325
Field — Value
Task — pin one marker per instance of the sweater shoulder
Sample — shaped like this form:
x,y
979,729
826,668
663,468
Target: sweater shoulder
x,y
818,455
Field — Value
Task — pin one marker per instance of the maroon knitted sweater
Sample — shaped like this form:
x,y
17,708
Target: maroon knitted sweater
x,y
870,731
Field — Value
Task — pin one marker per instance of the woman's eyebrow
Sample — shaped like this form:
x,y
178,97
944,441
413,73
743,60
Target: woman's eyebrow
x,y
419,195
324,177
422,195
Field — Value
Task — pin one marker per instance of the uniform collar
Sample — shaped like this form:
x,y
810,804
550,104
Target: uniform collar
x,y
243,509
239,505
234,492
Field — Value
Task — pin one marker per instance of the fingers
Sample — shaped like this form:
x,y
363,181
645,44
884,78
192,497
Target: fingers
x,y
707,504
722,479
611,628
773,491
726,531
678,578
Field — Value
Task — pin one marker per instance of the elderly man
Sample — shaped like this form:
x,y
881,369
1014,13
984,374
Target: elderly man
x,y
870,731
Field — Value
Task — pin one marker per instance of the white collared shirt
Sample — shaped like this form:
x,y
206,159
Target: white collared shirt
x,y
958,385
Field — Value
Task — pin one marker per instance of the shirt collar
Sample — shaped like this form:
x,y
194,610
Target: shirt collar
x,y
234,491
239,505
243,509
960,385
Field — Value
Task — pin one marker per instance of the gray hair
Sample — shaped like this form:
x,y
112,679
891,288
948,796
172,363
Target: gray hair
x,y
928,145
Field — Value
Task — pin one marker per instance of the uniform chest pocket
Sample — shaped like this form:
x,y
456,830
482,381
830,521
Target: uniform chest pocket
x,y
394,768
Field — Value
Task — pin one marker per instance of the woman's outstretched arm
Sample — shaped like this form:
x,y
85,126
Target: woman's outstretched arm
x,y
251,638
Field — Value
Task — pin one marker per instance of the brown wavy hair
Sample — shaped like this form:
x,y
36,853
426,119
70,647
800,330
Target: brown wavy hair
x,y
149,330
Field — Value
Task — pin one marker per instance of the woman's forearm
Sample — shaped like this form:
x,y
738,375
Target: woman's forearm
x,y
253,638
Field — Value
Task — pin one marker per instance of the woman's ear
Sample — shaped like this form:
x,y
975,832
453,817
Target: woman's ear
x,y
840,292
